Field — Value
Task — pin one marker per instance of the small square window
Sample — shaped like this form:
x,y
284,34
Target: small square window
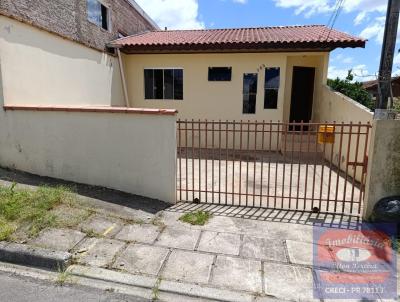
x,y
219,74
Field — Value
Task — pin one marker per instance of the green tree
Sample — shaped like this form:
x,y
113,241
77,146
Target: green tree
x,y
353,90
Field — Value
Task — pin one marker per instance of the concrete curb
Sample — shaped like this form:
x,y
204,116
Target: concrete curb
x,y
163,286
34,256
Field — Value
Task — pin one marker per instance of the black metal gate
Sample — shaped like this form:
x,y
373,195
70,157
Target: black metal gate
x,y
293,166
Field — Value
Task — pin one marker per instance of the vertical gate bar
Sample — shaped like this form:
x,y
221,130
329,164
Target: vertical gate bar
x,y
186,160
353,184
339,164
212,159
233,161
255,162
347,166
269,160
365,158
330,167
307,161
180,159
247,163
226,161
200,160
284,135
240,163
219,162
193,160
315,164
262,163
291,169
322,169
206,159
299,163
276,162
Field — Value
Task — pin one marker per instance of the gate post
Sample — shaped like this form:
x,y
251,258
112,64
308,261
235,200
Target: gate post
x,y
383,176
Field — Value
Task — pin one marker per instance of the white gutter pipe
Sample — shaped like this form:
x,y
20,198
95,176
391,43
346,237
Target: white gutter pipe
x,y
121,69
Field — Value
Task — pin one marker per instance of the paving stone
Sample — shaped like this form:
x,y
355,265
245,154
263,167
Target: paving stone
x,y
69,217
290,231
303,252
188,267
58,239
238,274
221,243
98,252
103,226
288,282
143,259
264,249
183,238
145,233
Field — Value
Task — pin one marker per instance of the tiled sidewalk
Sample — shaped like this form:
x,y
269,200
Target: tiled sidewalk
x,y
259,258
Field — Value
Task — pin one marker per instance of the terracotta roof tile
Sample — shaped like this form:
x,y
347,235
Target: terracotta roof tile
x,y
300,37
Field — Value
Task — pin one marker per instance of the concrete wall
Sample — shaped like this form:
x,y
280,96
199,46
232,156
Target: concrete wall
x,y
333,106
69,19
41,68
384,167
135,153
220,100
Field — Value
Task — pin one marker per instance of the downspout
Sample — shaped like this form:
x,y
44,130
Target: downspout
x,y
121,70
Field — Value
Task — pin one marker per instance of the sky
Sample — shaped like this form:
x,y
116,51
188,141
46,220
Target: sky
x,y
364,18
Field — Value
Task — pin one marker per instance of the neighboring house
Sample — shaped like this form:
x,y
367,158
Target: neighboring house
x,y
53,52
271,73
372,87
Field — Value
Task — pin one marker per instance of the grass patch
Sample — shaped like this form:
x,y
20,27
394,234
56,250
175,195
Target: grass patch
x,y
196,218
62,277
30,209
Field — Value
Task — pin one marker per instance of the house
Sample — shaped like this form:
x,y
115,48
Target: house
x,y
269,73
372,87
54,52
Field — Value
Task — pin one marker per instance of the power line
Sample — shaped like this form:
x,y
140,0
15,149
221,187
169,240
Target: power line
x,y
334,17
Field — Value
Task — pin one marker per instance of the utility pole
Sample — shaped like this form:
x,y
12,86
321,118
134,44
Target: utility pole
x,y
387,56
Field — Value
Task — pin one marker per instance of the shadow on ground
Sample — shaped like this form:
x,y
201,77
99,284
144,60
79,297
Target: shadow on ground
x,y
108,195
328,220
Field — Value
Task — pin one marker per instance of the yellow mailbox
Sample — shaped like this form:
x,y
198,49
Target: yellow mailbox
x,y
326,134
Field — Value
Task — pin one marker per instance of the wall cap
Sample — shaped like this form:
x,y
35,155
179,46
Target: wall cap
x,y
91,109
348,99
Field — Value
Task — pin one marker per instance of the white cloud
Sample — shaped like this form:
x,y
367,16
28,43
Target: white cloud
x,y
174,14
240,1
360,72
308,8
375,30
363,8
312,7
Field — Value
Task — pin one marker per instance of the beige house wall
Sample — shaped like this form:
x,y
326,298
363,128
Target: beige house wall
x,y
221,100
38,67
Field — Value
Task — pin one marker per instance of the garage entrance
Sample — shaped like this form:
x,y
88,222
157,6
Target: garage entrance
x,y
319,167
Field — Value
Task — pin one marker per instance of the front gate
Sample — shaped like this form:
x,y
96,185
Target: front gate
x,y
319,167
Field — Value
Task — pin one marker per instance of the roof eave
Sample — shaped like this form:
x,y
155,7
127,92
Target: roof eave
x,y
240,47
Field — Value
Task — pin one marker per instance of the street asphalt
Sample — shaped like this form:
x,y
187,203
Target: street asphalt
x,y
19,289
